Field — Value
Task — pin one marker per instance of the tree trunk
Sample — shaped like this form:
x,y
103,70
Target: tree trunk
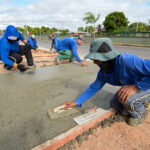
x,y
94,30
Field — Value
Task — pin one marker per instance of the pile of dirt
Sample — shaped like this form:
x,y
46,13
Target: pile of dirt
x,y
115,134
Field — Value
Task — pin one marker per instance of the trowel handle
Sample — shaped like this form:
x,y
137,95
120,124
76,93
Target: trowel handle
x,y
58,108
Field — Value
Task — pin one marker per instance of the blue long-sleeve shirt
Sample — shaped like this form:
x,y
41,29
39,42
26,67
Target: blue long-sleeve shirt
x,y
55,43
6,46
32,42
129,69
70,43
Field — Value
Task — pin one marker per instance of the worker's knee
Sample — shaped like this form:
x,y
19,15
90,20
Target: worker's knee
x,y
114,103
19,59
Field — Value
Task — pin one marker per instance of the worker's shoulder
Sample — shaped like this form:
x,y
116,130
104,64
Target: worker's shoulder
x,y
4,42
127,56
70,38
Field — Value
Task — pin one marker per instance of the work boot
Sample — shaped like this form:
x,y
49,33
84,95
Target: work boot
x,y
31,68
7,67
57,61
135,122
123,112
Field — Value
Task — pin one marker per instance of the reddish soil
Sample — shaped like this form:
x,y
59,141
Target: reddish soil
x,y
120,136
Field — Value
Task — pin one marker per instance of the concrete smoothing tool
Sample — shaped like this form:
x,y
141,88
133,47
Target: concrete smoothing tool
x,y
60,111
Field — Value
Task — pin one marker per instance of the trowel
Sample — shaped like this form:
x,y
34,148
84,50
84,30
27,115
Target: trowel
x,y
60,111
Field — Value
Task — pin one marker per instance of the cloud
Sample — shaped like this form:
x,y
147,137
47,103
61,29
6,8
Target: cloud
x,y
68,13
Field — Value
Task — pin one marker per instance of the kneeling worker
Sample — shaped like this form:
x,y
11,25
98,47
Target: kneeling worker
x,y
54,42
11,52
67,48
126,70
32,42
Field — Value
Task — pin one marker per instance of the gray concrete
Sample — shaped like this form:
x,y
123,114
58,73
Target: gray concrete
x,y
25,99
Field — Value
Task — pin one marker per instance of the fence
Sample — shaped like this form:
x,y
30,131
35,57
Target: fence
x,y
128,38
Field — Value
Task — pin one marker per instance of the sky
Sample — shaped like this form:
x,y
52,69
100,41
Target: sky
x,y
68,13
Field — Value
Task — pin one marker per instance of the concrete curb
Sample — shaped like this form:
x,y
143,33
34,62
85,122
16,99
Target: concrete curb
x,y
126,44
131,45
71,134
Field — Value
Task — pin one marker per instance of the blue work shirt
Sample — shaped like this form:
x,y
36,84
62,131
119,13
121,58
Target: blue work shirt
x,y
129,69
70,43
55,43
6,46
32,42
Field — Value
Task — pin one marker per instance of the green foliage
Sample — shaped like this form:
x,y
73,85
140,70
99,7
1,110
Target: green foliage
x,y
115,22
138,27
89,29
41,30
64,31
80,29
90,18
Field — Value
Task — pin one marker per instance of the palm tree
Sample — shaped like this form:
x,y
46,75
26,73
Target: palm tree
x,y
90,18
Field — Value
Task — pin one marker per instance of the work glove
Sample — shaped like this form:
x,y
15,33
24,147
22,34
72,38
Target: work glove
x,y
21,67
28,45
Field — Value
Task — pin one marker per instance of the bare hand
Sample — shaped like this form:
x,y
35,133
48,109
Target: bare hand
x,y
70,104
83,63
126,92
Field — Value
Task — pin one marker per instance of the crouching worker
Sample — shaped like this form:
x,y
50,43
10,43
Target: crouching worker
x,y
126,70
54,42
67,48
11,52
32,42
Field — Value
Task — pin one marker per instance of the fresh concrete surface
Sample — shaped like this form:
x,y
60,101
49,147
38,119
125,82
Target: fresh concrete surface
x,y
26,98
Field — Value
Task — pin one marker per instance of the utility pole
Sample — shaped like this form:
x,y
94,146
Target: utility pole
x,y
137,26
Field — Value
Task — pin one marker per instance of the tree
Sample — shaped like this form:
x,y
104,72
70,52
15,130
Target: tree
x,y
115,22
80,29
90,18
138,26
149,25
64,31
89,29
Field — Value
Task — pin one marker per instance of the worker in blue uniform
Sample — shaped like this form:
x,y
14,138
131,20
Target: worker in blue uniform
x,y
11,52
126,70
54,42
32,41
67,48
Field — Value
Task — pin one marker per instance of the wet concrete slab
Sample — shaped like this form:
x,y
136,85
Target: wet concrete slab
x,y
26,98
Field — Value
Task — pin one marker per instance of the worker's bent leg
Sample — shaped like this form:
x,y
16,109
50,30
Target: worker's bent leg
x,y
15,57
135,105
65,54
115,103
25,50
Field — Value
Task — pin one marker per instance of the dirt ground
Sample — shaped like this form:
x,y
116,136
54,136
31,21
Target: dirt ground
x,y
41,59
120,136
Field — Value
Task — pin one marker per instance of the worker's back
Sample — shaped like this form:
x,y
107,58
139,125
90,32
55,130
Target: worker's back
x,y
67,43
